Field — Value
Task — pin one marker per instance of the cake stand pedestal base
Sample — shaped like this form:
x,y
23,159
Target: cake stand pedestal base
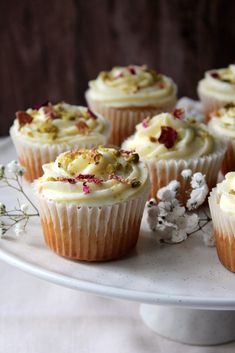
x,y
191,326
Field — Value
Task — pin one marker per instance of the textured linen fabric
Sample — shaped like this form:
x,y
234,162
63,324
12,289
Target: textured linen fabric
x,y
37,317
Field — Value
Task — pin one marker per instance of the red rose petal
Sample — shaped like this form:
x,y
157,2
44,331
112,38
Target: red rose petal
x,y
38,106
178,113
50,112
23,118
168,136
132,70
215,75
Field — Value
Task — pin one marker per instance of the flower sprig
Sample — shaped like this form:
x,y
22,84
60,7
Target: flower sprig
x,y
173,222
18,217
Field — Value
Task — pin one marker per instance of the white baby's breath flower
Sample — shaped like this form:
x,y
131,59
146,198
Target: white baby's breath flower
x,y
2,208
19,229
186,173
15,168
198,179
197,197
24,208
2,171
174,185
166,194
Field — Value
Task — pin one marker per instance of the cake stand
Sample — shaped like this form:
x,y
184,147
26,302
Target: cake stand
x,y
185,293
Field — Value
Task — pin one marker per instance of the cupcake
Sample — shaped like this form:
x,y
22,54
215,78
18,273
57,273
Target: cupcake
x,y
217,88
222,124
168,143
91,203
41,133
126,95
222,207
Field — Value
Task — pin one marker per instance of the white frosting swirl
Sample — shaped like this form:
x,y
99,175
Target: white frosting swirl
x,y
63,123
193,139
226,190
219,84
222,122
132,86
99,176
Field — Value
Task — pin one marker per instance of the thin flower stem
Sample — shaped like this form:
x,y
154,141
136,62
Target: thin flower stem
x,y
26,196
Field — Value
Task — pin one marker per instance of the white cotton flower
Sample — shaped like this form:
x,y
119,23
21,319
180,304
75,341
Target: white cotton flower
x,y
19,229
178,211
24,208
197,197
186,173
174,185
178,236
198,179
2,208
166,194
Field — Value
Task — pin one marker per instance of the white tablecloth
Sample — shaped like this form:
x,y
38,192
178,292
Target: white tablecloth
x,y
39,317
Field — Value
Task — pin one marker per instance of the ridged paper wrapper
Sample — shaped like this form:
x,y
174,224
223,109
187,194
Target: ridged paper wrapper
x,y
95,233
224,232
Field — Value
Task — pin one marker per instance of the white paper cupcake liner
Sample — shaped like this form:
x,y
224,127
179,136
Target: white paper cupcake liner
x,y
32,155
228,164
210,104
92,233
164,171
224,232
125,120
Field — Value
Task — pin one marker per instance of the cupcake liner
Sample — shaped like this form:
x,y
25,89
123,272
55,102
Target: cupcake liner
x,y
96,233
32,155
224,232
164,171
124,120
228,163
210,104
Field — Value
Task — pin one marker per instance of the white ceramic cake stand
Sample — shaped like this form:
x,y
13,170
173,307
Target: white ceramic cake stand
x,y
185,293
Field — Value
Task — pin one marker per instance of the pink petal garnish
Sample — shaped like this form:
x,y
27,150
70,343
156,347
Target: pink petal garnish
x,y
145,122
178,113
82,127
168,136
162,85
38,106
86,189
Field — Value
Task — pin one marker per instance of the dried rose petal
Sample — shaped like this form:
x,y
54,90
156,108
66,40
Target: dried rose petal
x,y
23,118
178,113
89,178
38,106
168,136
162,85
132,70
91,114
86,189
82,127
215,75
145,122
50,112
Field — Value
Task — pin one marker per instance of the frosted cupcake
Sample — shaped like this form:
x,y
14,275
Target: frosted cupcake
x,y
222,124
222,207
217,88
126,95
91,203
168,144
41,133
